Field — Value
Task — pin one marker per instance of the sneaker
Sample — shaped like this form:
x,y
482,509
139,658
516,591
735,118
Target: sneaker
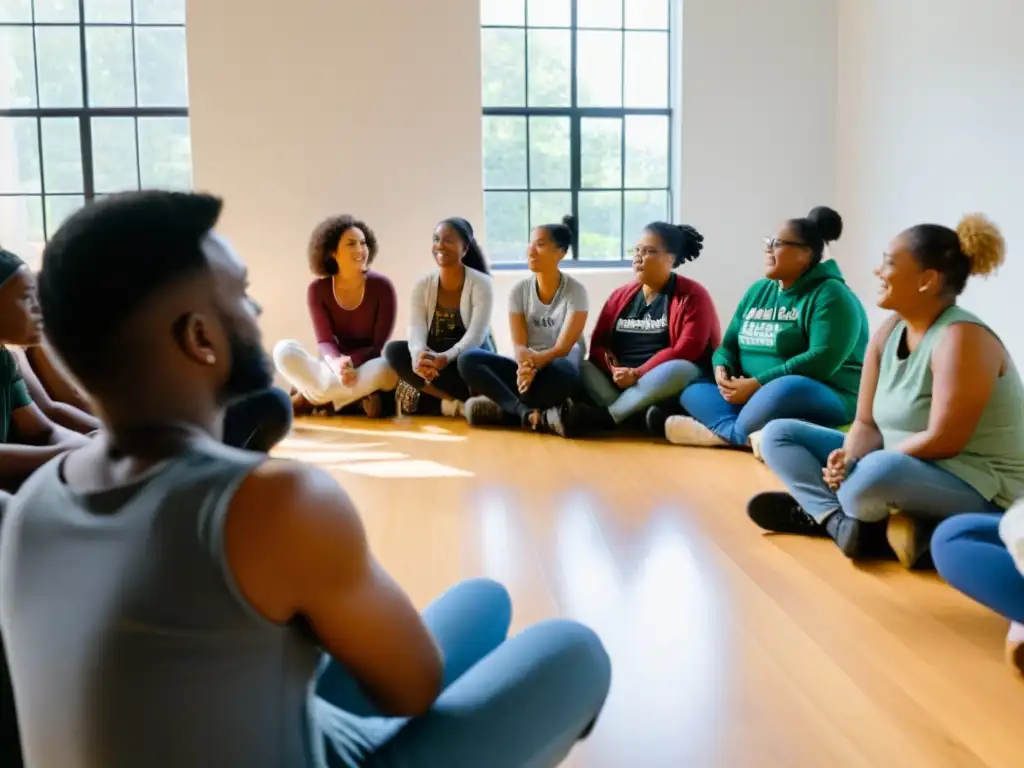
x,y
407,399
655,419
910,539
856,539
482,411
755,445
779,513
684,430
1015,648
562,420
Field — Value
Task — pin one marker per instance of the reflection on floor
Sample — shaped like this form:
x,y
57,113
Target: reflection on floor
x,y
730,649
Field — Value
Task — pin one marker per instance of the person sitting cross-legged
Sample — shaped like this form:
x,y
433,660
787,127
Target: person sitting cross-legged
x,y
353,313
547,315
653,337
168,601
940,420
794,348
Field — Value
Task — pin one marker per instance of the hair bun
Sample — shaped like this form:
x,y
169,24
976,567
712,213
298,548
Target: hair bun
x,y
569,221
828,222
982,243
693,241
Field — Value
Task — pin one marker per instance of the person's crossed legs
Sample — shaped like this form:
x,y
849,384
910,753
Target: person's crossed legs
x,y
507,703
713,421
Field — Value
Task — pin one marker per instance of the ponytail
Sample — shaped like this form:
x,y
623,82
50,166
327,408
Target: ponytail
x,y
474,258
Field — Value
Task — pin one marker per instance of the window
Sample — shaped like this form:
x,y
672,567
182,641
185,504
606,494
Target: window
x,y
93,100
576,119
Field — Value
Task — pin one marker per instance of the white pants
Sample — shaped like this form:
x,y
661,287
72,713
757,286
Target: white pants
x,y
315,380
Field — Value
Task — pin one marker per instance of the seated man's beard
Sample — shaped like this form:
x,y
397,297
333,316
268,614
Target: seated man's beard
x,y
250,370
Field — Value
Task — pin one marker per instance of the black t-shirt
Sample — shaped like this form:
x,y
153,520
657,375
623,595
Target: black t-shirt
x,y
641,331
446,329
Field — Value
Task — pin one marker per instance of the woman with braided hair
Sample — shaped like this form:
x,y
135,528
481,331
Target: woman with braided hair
x,y
939,429
794,348
653,336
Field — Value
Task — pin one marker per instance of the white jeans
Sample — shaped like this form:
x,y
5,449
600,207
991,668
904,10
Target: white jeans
x,y
315,380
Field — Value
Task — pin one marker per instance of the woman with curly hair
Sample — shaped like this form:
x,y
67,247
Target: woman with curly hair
x,y
450,314
353,314
939,428
794,348
653,337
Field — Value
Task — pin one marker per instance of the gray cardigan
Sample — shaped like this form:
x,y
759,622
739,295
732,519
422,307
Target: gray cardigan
x,y
474,309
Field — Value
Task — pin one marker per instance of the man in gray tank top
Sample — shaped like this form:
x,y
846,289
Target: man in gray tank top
x,y
168,601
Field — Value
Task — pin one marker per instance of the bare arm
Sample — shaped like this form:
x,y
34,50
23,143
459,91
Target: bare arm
x,y
966,364
59,386
297,548
567,339
864,436
62,414
520,333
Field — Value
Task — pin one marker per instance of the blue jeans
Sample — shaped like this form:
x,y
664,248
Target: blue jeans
x,y
521,702
883,480
790,397
660,383
971,557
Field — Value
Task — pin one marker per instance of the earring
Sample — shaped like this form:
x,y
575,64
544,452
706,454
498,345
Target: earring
x,y
922,289
210,358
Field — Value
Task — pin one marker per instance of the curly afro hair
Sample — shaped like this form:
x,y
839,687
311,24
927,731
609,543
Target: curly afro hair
x,y
324,243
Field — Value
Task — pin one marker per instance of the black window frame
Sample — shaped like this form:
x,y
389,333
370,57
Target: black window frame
x,y
85,113
576,114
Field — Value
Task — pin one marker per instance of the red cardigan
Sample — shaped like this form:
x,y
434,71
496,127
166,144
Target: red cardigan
x,y
693,328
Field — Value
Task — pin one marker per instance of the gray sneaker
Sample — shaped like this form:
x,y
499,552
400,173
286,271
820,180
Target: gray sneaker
x,y
482,411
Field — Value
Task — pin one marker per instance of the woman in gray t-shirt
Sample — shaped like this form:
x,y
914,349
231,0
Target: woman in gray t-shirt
x,y
547,314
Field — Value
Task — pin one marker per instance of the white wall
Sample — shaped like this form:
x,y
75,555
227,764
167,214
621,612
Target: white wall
x,y
335,106
931,126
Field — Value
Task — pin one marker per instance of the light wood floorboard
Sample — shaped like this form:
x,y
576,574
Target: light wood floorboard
x,y
729,648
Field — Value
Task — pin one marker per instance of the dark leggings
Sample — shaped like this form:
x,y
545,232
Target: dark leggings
x,y
495,377
448,380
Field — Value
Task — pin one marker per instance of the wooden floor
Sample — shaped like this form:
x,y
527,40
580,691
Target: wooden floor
x,y
729,648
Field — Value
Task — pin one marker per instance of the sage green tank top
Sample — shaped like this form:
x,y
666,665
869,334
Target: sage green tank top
x,y
992,462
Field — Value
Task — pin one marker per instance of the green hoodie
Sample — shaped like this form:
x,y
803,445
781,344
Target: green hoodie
x,y
817,328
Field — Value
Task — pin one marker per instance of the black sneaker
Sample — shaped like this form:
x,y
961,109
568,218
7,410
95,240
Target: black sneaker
x,y
655,419
779,513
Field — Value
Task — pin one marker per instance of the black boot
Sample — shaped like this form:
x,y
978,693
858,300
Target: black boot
x,y
856,539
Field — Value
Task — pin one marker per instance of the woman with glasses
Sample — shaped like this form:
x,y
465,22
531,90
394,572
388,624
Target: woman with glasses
x,y
794,348
654,336
353,314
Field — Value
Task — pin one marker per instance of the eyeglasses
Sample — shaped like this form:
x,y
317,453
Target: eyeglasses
x,y
774,243
643,253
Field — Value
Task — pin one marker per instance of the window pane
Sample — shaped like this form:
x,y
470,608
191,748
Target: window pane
x,y
504,13
549,13
601,226
641,209
16,11
62,155
111,68
19,139
60,66
17,68
23,224
599,69
56,10
507,227
550,164
160,11
600,13
161,66
647,14
504,153
165,153
601,152
504,67
550,60
549,207
108,11
58,208
647,69
114,160
647,143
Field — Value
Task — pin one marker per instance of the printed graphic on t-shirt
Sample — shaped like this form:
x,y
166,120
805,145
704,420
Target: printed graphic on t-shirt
x,y
446,322
762,326
642,324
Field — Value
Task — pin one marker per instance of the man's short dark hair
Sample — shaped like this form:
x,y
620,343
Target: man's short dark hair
x,y
109,258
